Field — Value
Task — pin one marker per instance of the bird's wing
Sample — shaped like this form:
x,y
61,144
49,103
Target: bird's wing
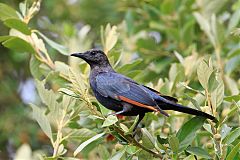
x,y
162,95
119,87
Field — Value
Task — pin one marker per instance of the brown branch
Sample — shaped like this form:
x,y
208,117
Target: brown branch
x,y
131,140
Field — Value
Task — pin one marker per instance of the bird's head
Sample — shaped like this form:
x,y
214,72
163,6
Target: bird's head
x,y
93,57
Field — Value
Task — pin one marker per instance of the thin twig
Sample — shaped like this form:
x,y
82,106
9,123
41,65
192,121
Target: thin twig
x,y
131,140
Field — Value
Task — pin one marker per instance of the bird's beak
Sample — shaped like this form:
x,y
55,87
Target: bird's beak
x,y
80,55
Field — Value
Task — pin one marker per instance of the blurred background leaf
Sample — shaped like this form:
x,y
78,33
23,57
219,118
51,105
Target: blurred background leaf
x,y
184,48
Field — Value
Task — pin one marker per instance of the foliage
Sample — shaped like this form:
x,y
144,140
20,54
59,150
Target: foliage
x,y
189,43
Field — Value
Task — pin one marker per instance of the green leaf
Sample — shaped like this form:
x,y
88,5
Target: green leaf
x,y
129,67
217,95
207,127
162,140
213,6
4,38
68,92
18,25
110,120
148,139
179,57
7,12
54,45
234,20
34,67
193,101
23,8
119,154
204,72
190,157
83,134
235,98
111,37
205,26
70,158
199,152
119,137
212,82
232,64
188,131
42,120
18,45
174,143
225,130
86,143
103,151
134,124
232,85
66,101
233,152
78,81
235,51
48,97
232,136
61,67
124,128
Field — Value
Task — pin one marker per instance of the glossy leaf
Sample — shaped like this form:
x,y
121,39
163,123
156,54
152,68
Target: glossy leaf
x,y
235,98
199,152
174,143
18,25
233,22
84,134
111,37
4,38
212,82
34,67
7,12
18,45
42,120
217,95
204,72
232,136
68,92
225,130
205,26
129,67
124,128
48,97
23,8
110,120
54,45
233,152
188,131
147,139
119,154
134,124
84,144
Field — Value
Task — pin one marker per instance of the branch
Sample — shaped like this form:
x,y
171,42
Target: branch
x,y
131,140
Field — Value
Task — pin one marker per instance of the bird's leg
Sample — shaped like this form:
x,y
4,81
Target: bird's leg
x,y
141,116
126,107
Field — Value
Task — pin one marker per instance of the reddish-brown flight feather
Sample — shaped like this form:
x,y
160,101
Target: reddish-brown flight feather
x,y
125,99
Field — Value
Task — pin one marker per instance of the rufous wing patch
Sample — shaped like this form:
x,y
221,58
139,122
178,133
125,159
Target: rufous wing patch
x,y
125,99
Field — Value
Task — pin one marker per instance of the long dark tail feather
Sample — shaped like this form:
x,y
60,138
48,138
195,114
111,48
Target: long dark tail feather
x,y
177,107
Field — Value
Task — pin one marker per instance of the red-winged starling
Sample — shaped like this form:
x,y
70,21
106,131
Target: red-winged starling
x,y
125,96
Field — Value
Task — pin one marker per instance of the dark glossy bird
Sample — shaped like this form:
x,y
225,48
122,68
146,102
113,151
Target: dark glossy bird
x,y
125,96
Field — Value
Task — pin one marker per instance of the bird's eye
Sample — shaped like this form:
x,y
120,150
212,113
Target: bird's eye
x,y
93,53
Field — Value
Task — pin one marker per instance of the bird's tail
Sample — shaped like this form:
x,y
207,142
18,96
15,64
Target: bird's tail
x,y
169,105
